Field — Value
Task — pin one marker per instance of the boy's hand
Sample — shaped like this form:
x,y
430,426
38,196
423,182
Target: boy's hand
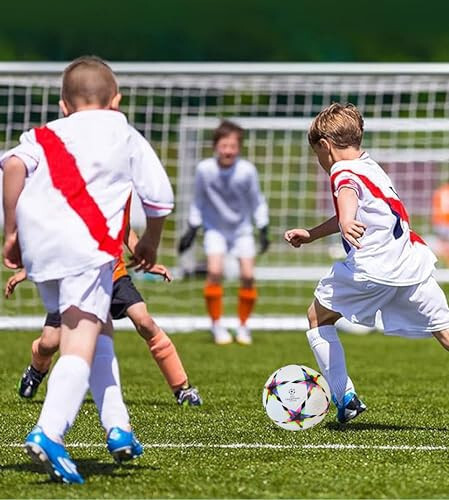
x,y
13,281
297,237
12,257
351,231
161,271
145,255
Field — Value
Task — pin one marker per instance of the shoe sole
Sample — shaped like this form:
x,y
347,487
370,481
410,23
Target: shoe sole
x,y
243,341
348,419
223,342
124,454
39,457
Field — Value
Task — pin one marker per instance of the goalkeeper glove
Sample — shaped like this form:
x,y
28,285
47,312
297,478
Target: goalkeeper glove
x,y
264,241
187,239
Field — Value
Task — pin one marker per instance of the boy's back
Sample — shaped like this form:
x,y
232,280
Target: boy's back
x,y
390,252
80,171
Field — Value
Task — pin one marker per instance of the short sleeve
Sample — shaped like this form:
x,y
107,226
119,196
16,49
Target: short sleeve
x,y
150,179
347,180
28,150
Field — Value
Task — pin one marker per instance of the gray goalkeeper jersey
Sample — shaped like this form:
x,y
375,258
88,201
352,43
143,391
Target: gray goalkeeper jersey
x,y
228,199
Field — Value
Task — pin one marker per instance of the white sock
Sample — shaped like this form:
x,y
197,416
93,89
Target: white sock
x,y
105,386
66,388
330,356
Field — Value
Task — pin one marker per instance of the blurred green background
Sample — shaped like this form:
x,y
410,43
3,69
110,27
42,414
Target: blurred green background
x,y
231,30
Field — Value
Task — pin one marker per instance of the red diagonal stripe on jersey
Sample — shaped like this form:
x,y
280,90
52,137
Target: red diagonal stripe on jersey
x,y
66,177
394,204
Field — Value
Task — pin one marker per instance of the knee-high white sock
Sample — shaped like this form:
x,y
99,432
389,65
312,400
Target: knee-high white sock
x,y
67,386
105,386
330,356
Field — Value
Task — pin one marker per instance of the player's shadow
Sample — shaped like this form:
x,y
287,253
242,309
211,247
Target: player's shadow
x,y
86,467
373,426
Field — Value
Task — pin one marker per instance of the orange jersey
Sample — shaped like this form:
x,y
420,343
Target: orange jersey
x,y
120,265
440,206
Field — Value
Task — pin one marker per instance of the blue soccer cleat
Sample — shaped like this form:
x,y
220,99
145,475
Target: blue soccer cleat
x,y
350,408
123,445
53,456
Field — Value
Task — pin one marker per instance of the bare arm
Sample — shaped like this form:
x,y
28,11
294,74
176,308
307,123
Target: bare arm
x,y
297,237
351,229
145,251
14,174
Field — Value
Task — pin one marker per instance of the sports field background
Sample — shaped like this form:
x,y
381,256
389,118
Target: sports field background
x,y
228,448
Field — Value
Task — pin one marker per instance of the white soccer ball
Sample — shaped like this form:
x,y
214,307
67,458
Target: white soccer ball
x,y
296,397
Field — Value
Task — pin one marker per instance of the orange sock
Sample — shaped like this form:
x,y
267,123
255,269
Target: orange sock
x,y
214,301
38,361
165,355
247,299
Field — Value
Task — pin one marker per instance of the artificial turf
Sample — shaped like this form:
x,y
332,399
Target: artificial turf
x,y
229,448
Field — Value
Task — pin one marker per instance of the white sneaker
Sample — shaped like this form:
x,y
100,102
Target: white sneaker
x,y
221,335
243,335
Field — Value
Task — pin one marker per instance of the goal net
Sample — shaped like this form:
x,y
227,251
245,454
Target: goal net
x,y
177,106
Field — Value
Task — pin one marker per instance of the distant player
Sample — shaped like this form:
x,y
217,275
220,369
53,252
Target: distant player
x,y
440,221
68,217
226,200
126,301
388,267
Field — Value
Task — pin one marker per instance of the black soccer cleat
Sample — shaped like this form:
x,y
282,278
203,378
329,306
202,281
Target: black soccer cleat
x,y
188,397
350,408
30,382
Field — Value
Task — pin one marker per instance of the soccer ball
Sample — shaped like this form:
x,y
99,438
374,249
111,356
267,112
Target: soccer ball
x,y
296,397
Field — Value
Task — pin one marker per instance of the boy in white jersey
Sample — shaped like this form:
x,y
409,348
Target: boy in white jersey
x,y
226,199
65,189
388,268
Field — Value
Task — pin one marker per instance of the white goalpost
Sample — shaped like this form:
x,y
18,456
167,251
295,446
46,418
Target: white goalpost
x,y
177,106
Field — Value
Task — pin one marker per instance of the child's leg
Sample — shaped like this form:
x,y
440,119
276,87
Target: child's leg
x,y
328,350
69,379
160,345
104,383
44,347
247,292
213,289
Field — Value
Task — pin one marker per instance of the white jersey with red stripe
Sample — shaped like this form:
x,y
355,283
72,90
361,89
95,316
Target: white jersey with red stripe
x,y
391,253
80,172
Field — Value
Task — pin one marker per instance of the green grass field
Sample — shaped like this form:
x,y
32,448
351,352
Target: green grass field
x,y
228,448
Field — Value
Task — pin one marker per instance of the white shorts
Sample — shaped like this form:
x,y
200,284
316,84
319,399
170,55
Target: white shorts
x,y
90,291
410,311
216,242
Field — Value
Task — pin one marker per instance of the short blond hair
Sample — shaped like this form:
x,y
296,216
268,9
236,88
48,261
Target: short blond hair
x,y
88,80
342,125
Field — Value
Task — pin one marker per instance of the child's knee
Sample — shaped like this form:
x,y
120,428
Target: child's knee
x,y
49,341
147,327
443,338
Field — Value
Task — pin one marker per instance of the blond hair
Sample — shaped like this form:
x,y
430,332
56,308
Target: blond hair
x,y
88,80
342,125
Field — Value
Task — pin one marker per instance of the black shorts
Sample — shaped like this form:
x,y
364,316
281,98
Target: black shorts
x,y
124,295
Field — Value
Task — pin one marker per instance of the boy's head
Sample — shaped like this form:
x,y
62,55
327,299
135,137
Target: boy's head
x,y
228,137
88,83
336,133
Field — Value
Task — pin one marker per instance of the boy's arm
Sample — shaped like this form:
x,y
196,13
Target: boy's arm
x,y
260,212
145,251
13,281
351,229
297,237
14,174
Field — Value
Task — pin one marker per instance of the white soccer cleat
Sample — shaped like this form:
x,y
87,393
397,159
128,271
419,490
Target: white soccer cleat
x,y
244,335
221,335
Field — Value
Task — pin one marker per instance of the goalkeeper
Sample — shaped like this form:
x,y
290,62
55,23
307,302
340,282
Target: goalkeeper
x,y
226,200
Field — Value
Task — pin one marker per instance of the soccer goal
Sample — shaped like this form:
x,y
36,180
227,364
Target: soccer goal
x,y
177,106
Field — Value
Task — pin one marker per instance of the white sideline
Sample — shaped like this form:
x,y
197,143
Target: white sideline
x,y
262,446
188,324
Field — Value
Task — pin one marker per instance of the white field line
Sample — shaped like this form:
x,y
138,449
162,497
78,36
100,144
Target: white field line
x,y
262,446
